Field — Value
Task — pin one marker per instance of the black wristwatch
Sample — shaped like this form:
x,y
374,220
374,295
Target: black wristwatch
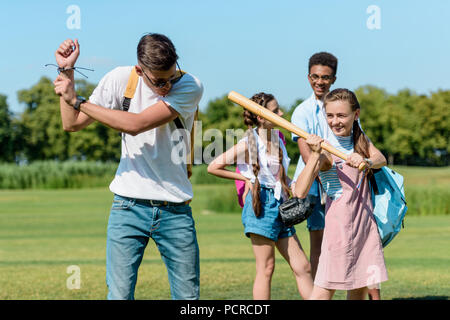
x,y
79,101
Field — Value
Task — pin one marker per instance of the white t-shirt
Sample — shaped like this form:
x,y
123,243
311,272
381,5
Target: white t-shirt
x,y
269,164
146,169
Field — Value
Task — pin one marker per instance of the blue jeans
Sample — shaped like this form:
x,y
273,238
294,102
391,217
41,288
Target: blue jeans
x,y
131,224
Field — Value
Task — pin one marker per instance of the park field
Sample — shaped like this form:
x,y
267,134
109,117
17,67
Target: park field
x,y
43,232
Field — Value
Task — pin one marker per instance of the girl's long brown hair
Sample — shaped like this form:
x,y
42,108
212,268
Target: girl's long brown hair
x,y
251,120
360,140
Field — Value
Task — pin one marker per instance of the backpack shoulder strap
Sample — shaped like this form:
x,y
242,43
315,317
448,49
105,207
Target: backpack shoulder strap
x,y
130,89
190,155
373,182
133,80
178,123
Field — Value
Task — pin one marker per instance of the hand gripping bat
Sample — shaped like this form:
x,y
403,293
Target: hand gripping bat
x,y
255,108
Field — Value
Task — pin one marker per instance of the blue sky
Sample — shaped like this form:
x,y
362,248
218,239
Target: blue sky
x,y
242,45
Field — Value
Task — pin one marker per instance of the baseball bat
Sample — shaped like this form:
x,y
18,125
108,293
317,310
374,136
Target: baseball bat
x,y
255,108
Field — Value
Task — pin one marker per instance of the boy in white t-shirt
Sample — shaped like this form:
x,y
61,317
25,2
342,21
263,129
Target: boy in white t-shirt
x,y
151,187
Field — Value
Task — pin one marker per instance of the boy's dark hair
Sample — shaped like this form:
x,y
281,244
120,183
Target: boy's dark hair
x,y
156,52
324,59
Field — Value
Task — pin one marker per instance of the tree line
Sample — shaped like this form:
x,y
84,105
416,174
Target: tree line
x,y
410,129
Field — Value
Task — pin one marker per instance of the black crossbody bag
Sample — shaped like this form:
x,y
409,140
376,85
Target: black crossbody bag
x,y
296,210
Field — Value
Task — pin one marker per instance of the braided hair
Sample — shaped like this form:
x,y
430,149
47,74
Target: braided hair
x,y
250,120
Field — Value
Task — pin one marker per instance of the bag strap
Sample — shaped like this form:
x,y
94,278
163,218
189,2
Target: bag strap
x,y
322,193
133,80
190,156
373,182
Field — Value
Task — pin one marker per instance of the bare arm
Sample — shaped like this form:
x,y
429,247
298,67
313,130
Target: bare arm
x,y
229,157
377,158
66,56
304,149
128,122
131,123
307,176
317,159
72,120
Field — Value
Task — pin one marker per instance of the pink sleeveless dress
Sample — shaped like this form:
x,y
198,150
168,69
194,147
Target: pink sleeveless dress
x,y
351,255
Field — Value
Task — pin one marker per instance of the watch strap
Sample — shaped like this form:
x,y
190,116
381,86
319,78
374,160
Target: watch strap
x,y
79,101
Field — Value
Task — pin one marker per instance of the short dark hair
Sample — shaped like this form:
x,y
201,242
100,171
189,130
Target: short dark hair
x,y
323,59
156,52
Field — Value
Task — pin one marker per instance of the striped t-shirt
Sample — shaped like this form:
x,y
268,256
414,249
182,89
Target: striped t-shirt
x,y
329,179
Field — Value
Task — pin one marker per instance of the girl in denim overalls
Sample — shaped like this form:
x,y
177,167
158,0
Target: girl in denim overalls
x,y
263,162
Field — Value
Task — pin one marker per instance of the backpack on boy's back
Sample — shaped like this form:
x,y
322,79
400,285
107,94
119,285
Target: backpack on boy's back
x,y
388,197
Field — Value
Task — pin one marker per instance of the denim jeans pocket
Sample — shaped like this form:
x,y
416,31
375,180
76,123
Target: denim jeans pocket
x,y
121,203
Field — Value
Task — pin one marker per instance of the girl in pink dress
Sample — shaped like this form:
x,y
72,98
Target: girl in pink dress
x,y
352,255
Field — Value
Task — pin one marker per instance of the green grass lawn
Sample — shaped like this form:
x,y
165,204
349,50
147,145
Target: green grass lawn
x,y
44,232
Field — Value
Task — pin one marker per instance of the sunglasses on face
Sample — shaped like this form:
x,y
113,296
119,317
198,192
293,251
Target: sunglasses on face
x,y
159,83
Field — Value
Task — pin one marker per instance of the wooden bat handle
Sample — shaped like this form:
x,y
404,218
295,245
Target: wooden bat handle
x,y
255,108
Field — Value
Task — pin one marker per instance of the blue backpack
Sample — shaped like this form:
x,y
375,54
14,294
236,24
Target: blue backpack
x,y
389,202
